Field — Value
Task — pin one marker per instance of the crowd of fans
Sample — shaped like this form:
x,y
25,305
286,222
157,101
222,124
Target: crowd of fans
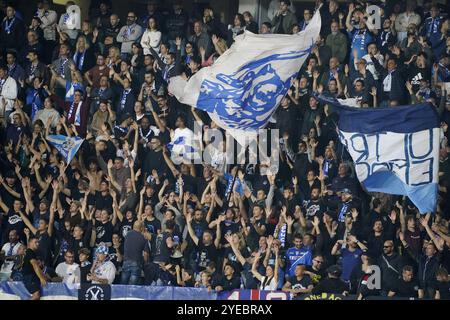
x,y
121,212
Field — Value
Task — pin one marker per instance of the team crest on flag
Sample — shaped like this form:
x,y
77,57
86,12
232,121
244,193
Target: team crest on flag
x,y
245,85
66,146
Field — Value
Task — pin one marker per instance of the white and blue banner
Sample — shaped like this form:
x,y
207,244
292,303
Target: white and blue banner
x,y
66,146
395,149
245,85
183,146
60,291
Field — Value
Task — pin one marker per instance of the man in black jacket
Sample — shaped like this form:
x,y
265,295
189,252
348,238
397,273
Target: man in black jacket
x,y
176,24
393,84
390,264
171,68
12,32
154,159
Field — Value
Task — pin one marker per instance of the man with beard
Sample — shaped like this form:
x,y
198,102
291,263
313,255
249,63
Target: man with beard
x,y
314,207
207,247
129,34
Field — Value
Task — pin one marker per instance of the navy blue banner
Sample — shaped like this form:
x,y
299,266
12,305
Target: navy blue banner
x,y
401,119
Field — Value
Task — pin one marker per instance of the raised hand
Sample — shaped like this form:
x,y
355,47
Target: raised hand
x,y
202,51
316,221
346,69
142,192
289,221
55,185
229,238
316,74
355,213
393,216
178,41
423,222
283,211
269,241
215,39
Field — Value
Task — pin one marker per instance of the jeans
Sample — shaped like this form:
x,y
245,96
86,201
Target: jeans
x,y
131,272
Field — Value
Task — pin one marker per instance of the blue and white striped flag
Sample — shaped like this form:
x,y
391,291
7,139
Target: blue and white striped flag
x,y
66,146
183,146
245,85
395,149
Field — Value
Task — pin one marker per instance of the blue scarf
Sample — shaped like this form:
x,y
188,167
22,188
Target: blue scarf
x,y
35,103
9,25
2,83
66,18
433,27
125,93
343,212
79,59
61,68
326,167
12,69
71,110
331,75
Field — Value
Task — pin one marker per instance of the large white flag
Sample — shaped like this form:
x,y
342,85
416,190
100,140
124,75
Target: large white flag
x,y
243,88
395,150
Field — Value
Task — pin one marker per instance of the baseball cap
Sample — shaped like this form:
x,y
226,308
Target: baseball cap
x,y
334,270
346,190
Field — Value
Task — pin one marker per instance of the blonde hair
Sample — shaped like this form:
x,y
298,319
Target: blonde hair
x,y
114,52
86,44
222,45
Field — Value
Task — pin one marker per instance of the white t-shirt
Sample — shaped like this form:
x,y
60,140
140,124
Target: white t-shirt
x,y
69,272
151,39
106,270
268,285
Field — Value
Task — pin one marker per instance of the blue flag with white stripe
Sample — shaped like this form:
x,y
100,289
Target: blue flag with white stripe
x,y
66,146
395,149
245,85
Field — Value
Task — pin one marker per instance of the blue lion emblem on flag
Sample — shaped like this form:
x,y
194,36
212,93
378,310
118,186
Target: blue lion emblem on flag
x,y
247,98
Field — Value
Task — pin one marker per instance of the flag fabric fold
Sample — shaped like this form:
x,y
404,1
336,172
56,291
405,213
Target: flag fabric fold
x,y
395,149
66,146
245,85
183,146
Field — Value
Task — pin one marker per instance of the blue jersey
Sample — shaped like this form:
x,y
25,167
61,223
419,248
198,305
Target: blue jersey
x,y
359,40
349,260
296,257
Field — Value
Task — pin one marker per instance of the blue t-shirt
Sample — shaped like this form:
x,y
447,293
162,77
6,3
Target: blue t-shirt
x,y
359,41
349,261
294,257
